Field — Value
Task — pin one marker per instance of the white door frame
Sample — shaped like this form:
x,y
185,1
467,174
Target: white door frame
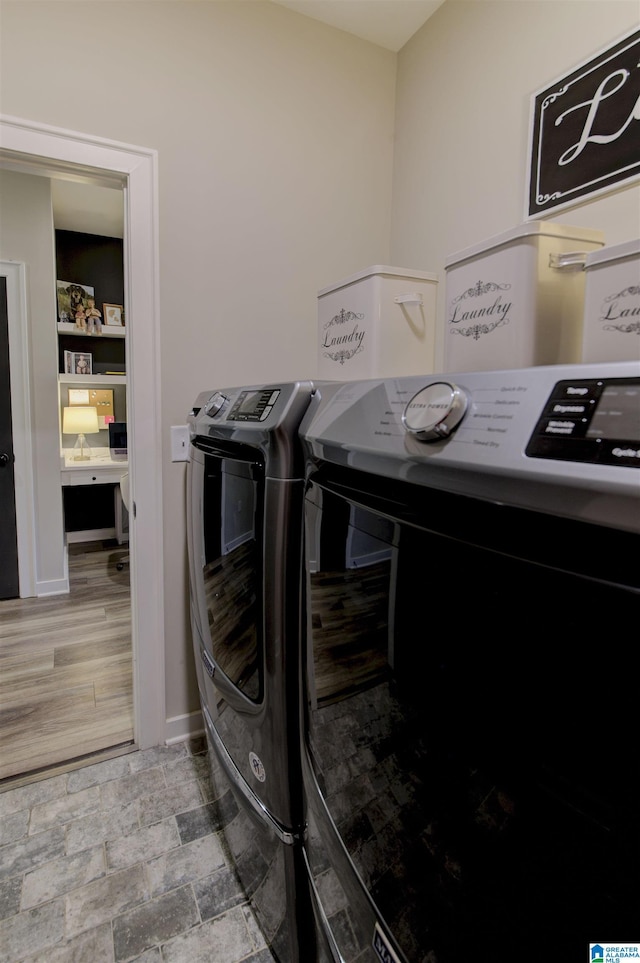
x,y
40,149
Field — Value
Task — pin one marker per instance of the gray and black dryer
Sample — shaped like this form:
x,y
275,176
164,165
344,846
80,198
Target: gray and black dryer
x,y
244,504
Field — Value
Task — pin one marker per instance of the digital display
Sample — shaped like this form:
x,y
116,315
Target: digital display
x,y
617,414
247,401
253,405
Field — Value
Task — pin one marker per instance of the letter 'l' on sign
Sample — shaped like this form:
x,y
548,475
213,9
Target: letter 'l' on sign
x,y
585,129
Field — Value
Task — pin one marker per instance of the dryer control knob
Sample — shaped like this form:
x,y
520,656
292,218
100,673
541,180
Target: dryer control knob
x,y
435,411
216,402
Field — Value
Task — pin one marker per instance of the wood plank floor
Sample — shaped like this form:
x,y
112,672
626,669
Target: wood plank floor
x,y
66,686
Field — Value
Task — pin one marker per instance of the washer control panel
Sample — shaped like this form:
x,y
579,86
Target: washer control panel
x,y
590,420
562,439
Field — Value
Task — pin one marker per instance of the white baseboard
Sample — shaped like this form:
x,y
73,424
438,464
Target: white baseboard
x,y
55,586
90,535
181,728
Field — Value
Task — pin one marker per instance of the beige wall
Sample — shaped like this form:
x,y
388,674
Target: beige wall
x,y
462,123
26,235
275,143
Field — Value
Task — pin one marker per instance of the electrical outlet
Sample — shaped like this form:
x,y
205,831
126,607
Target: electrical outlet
x,y
179,443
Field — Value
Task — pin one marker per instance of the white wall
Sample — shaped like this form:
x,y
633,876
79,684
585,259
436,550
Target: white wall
x,y
275,143
462,123
27,235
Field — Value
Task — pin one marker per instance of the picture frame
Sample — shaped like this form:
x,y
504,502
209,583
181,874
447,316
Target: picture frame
x,y
70,296
79,362
582,143
112,315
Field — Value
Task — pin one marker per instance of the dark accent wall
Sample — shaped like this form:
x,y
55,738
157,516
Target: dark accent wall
x,y
92,260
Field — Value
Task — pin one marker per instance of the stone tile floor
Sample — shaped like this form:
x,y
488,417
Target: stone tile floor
x,y
122,861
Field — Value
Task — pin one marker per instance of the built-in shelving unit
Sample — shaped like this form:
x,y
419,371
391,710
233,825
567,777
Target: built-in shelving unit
x,y
108,331
97,379
91,491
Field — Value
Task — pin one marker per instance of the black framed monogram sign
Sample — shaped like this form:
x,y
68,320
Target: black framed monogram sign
x,y
585,130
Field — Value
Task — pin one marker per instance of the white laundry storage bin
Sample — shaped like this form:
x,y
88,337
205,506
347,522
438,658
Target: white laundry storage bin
x,y
612,304
517,299
377,323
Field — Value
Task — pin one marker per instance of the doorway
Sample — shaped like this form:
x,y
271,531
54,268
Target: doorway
x,y
46,151
66,686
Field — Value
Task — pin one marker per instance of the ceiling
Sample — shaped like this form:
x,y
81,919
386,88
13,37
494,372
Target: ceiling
x,y
387,23
86,208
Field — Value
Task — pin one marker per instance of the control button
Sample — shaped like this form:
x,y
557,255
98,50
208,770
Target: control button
x,y
558,448
215,403
274,396
571,409
625,453
435,411
563,427
267,411
576,390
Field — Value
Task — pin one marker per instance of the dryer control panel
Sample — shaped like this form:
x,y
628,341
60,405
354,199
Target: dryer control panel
x,y
262,420
254,404
596,421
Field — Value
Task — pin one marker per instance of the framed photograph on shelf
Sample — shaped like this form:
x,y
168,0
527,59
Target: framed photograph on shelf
x,y
113,315
72,300
79,363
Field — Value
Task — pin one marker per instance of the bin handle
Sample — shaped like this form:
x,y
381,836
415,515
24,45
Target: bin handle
x,y
409,299
575,259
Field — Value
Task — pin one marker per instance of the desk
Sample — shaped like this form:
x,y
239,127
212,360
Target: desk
x,y
101,469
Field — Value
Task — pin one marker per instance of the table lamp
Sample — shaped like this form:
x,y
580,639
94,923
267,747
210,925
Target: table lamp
x,y
83,420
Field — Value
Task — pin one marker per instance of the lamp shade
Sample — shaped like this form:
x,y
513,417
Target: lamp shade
x,y
80,419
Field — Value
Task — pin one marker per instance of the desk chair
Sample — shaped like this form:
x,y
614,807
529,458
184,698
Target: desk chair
x,y
124,492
